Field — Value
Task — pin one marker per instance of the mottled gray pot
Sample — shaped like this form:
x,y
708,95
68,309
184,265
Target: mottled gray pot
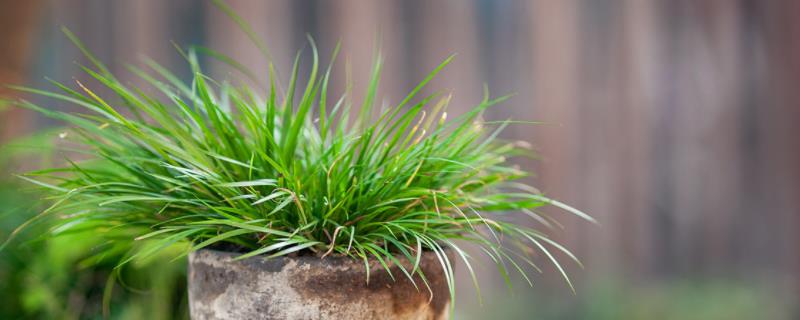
x,y
308,287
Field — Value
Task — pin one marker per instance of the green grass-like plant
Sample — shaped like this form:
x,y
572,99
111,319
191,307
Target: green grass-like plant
x,y
208,163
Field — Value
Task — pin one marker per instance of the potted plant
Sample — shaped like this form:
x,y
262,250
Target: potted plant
x,y
298,204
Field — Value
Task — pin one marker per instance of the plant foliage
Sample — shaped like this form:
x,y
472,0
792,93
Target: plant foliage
x,y
61,277
301,171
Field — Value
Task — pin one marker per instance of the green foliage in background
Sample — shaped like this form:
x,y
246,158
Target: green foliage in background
x,y
616,298
60,277
293,170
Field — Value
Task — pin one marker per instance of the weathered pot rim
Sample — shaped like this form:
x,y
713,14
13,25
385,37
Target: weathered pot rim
x,y
266,262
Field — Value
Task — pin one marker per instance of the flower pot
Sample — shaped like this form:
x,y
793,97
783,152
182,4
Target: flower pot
x,y
310,287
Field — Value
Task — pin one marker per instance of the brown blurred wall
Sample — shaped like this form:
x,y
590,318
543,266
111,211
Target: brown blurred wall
x,y
17,25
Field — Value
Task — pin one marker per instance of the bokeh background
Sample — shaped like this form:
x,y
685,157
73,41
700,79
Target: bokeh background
x,y
675,123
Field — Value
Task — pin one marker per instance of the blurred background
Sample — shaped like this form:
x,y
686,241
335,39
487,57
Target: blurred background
x,y
674,123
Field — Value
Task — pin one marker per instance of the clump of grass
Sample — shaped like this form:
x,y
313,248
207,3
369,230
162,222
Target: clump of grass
x,y
301,172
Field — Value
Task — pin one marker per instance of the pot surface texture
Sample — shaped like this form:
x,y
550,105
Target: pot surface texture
x,y
310,287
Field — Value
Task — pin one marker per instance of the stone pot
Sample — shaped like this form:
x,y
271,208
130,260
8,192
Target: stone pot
x,y
310,287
